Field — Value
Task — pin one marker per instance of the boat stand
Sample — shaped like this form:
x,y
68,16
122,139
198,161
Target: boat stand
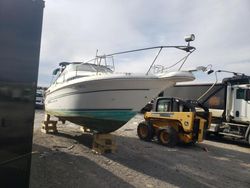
x,y
48,126
104,143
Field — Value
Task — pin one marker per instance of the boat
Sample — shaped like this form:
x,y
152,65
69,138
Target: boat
x,y
92,94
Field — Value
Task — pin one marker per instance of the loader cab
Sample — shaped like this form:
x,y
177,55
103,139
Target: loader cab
x,y
164,104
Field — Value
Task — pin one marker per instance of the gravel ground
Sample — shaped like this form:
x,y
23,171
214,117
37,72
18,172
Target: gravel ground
x,y
65,159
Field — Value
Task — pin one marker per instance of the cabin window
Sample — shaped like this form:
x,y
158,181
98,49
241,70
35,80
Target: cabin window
x,y
163,105
83,67
240,94
102,69
248,95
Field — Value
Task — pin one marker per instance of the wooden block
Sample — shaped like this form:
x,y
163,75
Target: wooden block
x,y
103,136
44,131
104,143
46,117
49,126
99,149
104,139
95,145
52,122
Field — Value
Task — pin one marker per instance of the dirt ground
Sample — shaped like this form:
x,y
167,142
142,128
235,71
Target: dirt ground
x,y
65,159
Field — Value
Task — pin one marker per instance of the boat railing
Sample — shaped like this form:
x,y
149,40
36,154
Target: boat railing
x,y
187,48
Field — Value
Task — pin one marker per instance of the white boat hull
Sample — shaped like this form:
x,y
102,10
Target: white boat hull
x,y
106,104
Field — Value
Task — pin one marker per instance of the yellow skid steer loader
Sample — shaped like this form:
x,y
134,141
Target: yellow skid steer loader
x,y
174,120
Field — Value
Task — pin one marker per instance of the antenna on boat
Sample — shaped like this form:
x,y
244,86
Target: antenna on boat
x,y
189,38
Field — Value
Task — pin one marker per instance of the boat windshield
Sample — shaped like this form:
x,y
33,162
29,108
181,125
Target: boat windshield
x,y
83,67
101,68
88,68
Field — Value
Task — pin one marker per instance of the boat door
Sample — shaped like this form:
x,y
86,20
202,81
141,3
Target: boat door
x,y
241,104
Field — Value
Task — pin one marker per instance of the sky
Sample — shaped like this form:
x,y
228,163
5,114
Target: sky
x,y
73,30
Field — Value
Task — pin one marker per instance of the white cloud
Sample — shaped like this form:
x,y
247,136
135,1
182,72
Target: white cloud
x,y
73,30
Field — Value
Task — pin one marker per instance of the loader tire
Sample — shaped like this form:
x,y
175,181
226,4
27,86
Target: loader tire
x,y
249,138
145,131
168,136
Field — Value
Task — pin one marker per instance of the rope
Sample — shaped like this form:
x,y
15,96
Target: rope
x,y
17,158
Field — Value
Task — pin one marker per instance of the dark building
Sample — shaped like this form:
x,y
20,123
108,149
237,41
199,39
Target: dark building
x,y
20,36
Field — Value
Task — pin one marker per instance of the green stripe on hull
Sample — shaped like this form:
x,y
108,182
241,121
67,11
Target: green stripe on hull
x,y
119,115
98,120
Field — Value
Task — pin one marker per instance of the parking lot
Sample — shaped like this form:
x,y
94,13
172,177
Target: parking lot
x,y
65,159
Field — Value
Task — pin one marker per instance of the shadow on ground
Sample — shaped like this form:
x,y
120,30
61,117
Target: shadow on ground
x,y
59,169
183,166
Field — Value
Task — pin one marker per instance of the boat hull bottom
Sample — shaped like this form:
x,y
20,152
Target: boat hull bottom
x,y
98,125
97,121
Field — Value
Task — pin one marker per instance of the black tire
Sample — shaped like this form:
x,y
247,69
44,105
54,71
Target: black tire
x,y
168,136
249,138
145,131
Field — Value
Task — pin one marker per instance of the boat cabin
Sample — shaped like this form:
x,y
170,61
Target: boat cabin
x,y
71,71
